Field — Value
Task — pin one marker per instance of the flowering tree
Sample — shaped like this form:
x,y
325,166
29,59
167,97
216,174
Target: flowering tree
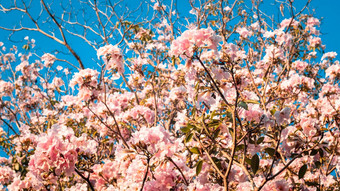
x,y
226,98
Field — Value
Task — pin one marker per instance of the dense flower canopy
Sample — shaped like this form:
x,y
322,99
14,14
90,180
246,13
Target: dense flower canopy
x,y
233,100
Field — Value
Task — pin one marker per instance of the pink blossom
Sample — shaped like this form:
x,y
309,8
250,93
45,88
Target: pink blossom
x,y
30,182
314,42
53,153
86,77
273,52
244,32
209,55
78,187
308,126
112,56
105,172
57,82
157,140
299,65
157,7
227,8
23,66
330,55
237,174
253,113
59,68
140,112
286,22
311,22
277,185
48,59
185,44
282,116
269,34
333,71
287,136
6,88
6,175
165,178
178,93
283,39
233,52
244,186
197,186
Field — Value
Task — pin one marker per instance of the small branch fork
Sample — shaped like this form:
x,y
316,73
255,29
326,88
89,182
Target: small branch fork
x,y
87,179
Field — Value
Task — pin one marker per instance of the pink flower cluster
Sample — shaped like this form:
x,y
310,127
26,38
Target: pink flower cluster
x,y
54,155
289,22
190,40
140,112
6,175
244,32
300,65
333,71
87,81
329,55
158,141
103,173
311,22
273,52
296,80
30,182
112,56
314,42
48,59
233,52
85,78
6,88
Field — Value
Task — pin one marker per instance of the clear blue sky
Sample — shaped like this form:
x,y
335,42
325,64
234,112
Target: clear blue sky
x,y
330,27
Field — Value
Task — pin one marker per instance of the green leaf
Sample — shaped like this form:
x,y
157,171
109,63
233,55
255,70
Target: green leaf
x,y
321,152
188,138
216,133
328,150
190,126
317,164
248,161
273,111
243,105
195,150
270,151
199,167
255,162
312,183
260,140
302,171
185,129
251,141
217,162
313,152
239,147
214,123
252,101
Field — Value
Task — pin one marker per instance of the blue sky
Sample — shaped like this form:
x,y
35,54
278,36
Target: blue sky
x,y
330,26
